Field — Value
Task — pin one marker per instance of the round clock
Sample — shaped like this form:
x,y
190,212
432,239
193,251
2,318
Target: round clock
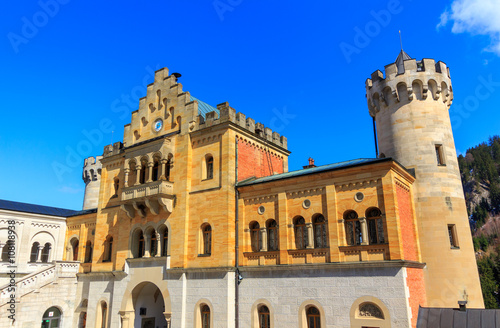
x,y
158,125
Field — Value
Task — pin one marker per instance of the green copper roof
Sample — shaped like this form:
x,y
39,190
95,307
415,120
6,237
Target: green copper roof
x,y
204,108
313,170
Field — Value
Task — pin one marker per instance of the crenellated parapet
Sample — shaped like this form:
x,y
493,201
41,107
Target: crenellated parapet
x,y
229,114
91,169
113,149
415,81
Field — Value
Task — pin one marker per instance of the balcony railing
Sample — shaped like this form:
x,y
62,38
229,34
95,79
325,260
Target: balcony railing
x,y
152,195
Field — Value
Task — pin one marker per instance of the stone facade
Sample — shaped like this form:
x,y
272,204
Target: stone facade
x,y
199,220
31,228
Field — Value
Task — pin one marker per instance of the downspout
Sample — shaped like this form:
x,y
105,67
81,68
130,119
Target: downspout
x,y
375,137
236,249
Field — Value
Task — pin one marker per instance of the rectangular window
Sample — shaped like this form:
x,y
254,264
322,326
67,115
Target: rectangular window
x,y
452,234
440,155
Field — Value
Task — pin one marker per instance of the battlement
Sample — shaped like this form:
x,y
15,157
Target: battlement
x,y
113,149
408,81
229,114
91,169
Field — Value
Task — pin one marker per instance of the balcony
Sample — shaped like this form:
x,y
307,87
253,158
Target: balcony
x,y
151,195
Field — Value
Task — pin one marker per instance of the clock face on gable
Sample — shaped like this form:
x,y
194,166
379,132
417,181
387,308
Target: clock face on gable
x,y
158,124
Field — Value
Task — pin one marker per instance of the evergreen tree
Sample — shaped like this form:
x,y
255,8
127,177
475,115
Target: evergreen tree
x,y
489,284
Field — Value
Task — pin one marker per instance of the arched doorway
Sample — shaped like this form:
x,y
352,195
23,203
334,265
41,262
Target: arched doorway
x,y
51,318
149,306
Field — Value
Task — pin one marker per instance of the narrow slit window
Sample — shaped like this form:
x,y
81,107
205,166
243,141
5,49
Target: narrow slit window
x,y
452,234
440,155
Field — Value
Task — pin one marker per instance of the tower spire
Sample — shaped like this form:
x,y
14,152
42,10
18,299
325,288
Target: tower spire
x,y
401,41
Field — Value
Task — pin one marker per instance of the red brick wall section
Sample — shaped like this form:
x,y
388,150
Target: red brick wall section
x,y
254,161
416,286
406,222
415,276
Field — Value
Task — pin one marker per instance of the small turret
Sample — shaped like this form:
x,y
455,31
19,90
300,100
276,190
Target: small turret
x,y
92,177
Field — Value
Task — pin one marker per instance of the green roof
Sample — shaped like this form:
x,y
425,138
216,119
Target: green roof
x,y
204,108
313,170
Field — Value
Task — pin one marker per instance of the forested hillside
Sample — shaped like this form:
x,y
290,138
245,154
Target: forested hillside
x,y
480,172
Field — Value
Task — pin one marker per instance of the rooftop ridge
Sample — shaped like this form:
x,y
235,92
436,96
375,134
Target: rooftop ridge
x,y
35,209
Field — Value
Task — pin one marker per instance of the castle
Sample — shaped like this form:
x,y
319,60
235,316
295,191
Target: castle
x,y
195,221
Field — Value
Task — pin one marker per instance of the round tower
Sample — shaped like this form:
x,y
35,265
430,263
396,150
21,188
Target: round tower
x,y
92,177
410,106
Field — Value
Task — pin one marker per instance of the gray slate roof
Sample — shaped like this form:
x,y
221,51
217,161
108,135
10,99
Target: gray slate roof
x,y
40,209
313,170
454,318
400,61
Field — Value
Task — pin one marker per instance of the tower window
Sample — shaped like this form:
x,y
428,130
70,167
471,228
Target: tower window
x,y
210,168
452,234
440,155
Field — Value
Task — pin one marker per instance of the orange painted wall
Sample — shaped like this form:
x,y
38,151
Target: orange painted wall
x,y
253,161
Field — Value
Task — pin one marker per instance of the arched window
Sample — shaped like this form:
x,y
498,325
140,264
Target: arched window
x,y
104,314
142,173
108,249
164,251
320,235
352,228
272,235
142,247
264,317
51,318
207,239
46,252
209,167
88,252
34,252
255,236
313,318
8,251
375,226
132,176
205,316
153,245
74,245
156,165
369,310
300,228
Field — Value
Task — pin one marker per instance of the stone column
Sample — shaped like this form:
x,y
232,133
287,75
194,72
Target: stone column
x,y
162,169
364,231
125,183
39,254
158,245
137,175
263,238
168,317
310,235
150,172
127,319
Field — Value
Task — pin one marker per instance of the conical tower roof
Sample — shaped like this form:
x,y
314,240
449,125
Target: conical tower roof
x,y
400,61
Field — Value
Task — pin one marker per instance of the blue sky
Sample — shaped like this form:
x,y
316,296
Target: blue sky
x,y
298,67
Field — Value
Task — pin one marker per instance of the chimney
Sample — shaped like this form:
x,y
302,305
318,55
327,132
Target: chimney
x,y
462,306
311,164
